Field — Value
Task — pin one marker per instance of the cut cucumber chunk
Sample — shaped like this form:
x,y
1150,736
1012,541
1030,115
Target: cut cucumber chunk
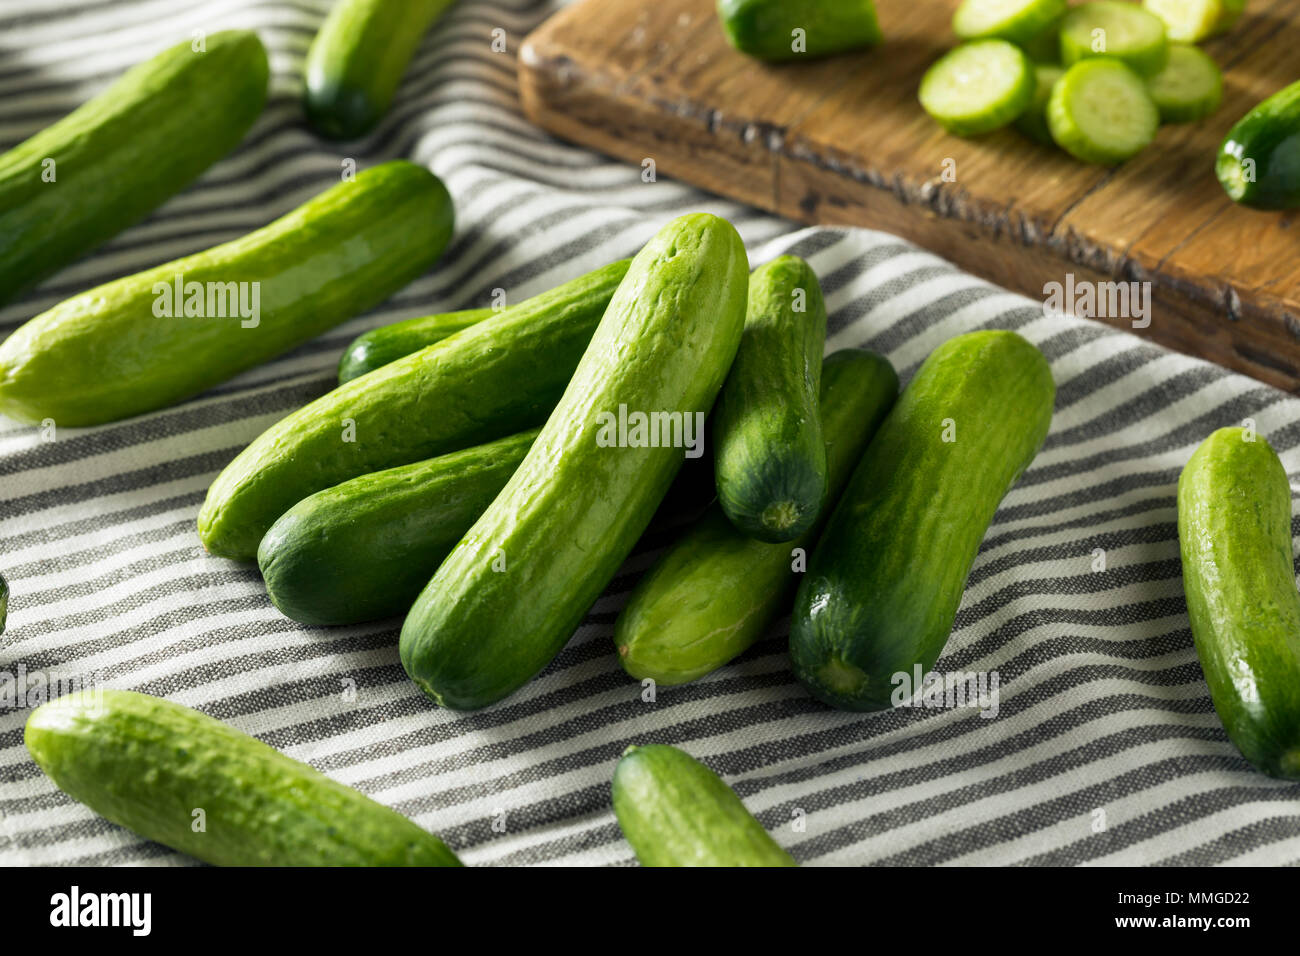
x,y
1191,21
978,87
1016,20
1033,121
1100,112
1188,88
1123,31
1045,46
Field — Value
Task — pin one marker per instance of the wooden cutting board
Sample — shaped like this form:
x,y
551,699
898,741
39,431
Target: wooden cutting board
x,y
843,141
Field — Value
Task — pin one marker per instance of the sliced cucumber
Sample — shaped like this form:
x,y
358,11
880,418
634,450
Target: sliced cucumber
x,y
1188,88
1033,121
1016,20
1100,112
1045,46
1191,21
1123,31
978,87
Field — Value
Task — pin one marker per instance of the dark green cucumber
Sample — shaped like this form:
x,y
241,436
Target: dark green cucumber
x,y
769,457
675,811
4,602
365,549
1259,159
1234,532
122,349
199,786
886,579
766,28
357,59
119,156
715,592
497,378
378,347
513,591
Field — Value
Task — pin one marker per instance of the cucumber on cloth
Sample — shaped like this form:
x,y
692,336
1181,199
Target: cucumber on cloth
x,y
1234,534
674,811
1122,31
511,594
1189,88
151,339
499,377
388,343
781,30
715,591
190,782
116,158
1101,112
978,87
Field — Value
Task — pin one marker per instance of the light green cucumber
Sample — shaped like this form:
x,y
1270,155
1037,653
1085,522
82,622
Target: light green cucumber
x,y
978,87
1101,112
496,378
1020,21
1234,533
1189,88
716,591
1122,31
511,594
1191,21
1033,121
156,768
674,811
154,338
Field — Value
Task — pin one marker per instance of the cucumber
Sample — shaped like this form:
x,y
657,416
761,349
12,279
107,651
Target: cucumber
x,y
1234,535
1101,112
1122,31
365,549
357,59
1045,47
885,582
767,28
151,766
1019,21
1259,160
378,347
1033,121
4,602
1190,87
715,591
675,811
513,591
120,155
978,87
769,457
497,378
108,353
1191,21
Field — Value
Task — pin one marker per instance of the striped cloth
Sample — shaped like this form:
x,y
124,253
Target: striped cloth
x,y
1105,747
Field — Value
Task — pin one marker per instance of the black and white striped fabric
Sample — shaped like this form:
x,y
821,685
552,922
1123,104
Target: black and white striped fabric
x,y
1105,748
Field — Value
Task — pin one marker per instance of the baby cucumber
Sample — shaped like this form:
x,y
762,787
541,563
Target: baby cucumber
x,y
109,163
1033,121
715,591
511,594
365,549
1190,87
780,30
1191,21
1122,31
1019,21
194,784
674,811
1259,160
886,579
769,457
1234,532
499,377
978,87
1100,112
378,347
356,61
152,339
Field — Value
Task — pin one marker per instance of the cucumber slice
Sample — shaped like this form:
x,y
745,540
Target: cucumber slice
x,y
1123,31
978,87
1188,88
1016,20
1033,121
1191,21
1045,46
1100,112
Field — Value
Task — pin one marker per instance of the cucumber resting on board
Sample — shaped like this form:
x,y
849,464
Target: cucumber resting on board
x,y
780,30
1259,160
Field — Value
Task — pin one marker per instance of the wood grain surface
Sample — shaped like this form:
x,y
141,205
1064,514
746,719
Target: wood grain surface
x,y
842,141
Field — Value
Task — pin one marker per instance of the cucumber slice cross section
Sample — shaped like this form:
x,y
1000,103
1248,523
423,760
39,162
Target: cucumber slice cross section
x,y
1191,21
1016,20
1189,88
978,87
1100,112
1124,31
